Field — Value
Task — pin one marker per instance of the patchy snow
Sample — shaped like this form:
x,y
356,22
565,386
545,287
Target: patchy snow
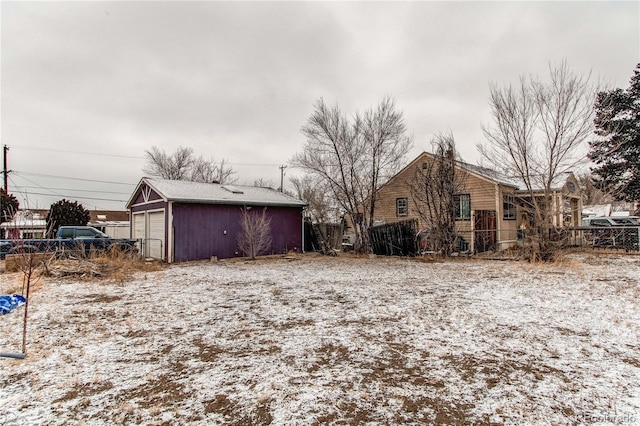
x,y
214,193
316,340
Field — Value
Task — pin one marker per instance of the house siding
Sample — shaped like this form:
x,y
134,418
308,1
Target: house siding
x,y
486,190
485,194
482,192
201,231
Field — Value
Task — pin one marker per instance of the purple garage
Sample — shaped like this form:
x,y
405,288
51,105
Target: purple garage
x,y
178,221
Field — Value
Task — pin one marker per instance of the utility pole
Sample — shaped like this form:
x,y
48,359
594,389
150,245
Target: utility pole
x,y
282,178
5,171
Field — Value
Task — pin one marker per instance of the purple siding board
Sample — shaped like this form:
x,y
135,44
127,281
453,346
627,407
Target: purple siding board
x,y
199,230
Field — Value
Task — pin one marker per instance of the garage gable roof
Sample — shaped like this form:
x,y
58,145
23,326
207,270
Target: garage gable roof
x,y
213,193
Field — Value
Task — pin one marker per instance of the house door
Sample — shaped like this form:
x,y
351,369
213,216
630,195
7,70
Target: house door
x,y
484,226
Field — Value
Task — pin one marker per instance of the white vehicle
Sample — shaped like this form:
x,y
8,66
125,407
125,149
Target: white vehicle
x,y
611,221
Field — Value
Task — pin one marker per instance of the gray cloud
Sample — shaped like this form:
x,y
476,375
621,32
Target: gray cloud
x,y
237,80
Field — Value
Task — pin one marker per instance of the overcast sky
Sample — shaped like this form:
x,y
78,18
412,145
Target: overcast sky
x,y
87,87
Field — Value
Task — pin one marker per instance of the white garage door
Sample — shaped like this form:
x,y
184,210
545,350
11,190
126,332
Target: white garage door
x,y
138,226
139,231
155,235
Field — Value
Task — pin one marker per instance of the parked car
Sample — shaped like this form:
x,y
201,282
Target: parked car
x,y
620,232
79,240
611,221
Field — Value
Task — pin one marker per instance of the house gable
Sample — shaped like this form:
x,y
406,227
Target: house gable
x,y
144,194
485,193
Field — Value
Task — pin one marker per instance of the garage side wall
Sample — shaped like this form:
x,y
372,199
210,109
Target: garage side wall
x,y
201,231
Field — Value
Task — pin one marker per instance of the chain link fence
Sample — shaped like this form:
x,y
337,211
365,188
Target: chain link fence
x,y
625,238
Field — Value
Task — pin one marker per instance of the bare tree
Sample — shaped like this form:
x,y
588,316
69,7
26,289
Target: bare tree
x,y
353,157
263,183
184,165
591,194
434,189
32,263
320,207
321,212
175,166
384,135
209,171
255,233
537,128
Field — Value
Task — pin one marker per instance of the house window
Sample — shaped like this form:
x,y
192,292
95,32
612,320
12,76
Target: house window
x,y
508,207
463,206
402,207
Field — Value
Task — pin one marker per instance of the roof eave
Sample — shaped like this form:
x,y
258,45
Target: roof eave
x,y
235,202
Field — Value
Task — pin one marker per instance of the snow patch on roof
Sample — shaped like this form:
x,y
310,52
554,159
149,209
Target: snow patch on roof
x,y
213,193
490,174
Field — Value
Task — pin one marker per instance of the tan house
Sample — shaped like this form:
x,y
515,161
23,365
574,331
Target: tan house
x,y
566,201
488,213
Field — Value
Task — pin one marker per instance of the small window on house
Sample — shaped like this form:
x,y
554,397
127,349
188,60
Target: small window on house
x,y
463,206
402,207
508,207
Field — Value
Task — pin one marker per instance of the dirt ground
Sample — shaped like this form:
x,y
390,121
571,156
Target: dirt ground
x,y
320,340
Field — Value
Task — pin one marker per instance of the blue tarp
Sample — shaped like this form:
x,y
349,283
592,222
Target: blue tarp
x,y
8,302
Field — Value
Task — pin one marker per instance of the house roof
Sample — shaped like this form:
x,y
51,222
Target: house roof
x,y
482,172
108,216
26,220
489,174
557,184
213,193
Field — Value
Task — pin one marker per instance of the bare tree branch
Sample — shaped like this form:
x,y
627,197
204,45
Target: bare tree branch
x,y
353,157
183,165
537,128
255,233
434,188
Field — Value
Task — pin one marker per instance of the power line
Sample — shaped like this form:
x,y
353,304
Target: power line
x,y
28,147
75,197
75,190
72,178
75,152
25,194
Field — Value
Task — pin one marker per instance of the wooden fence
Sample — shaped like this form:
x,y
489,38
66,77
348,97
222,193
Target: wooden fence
x,y
394,239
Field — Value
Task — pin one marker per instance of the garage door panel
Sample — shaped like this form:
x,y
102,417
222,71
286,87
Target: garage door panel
x,y
155,235
139,231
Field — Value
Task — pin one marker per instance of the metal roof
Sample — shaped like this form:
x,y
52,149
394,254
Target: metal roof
x,y
213,193
490,174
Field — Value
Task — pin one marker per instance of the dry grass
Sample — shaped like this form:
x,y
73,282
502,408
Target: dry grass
x,y
114,266
118,266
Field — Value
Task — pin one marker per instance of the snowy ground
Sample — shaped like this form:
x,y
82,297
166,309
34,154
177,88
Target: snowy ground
x,y
316,340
